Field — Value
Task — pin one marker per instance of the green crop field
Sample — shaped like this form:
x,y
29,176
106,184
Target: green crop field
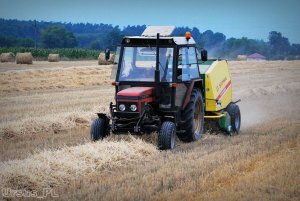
x,y
70,53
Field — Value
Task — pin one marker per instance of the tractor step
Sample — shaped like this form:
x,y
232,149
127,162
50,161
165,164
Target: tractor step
x,y
216,115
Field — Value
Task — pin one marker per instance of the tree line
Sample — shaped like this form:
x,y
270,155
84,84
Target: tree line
x,y
17,33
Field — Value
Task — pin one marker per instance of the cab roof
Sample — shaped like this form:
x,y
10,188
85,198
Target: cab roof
x,y
162,30
149,35
176,40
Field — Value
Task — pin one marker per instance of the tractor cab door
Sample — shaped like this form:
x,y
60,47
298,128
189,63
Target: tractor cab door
x,y
115,64
187,64
187,70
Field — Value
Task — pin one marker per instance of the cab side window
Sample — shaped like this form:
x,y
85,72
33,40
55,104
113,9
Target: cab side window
x,y
187,64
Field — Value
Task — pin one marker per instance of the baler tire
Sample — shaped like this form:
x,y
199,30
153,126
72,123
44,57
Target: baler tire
x,y
188,123
98,129
235,116
167,136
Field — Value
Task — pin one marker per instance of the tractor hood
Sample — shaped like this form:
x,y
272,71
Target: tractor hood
x,y
135,93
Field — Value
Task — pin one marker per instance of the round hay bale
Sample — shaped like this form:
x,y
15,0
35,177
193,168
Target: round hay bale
x,y
24,58
102,61
241,57
7,57
53,58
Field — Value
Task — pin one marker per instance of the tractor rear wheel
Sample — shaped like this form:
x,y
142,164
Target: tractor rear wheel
x,y
235,116
167,136
193,118
98,129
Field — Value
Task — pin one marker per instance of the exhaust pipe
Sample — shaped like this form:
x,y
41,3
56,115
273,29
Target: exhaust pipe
x,y
157,71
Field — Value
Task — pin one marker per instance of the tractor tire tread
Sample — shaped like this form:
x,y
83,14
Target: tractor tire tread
x,y
167,132
98,129
234,112
188,118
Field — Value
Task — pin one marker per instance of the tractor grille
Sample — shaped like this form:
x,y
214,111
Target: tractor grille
x,y
126,115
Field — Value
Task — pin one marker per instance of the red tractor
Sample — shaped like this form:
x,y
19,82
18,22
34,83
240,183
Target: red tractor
x,y
161,86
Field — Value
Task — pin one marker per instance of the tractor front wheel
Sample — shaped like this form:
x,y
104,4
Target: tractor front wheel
x,y
167,136
98,129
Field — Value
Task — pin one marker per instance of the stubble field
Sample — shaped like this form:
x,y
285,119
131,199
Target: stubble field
x,y
46,109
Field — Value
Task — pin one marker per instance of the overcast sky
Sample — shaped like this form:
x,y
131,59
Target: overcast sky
x,y
235,18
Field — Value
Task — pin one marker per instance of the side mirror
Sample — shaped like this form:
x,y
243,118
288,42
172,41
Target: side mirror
x,y
107,54
203,55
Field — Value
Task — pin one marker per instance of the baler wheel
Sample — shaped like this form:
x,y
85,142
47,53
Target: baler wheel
x,y
235,116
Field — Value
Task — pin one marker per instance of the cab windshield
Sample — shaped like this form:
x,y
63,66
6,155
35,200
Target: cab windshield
x,y
138,64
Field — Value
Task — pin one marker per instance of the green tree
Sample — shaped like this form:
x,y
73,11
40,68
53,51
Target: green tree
x,y
212,42
26,42
8,41
58,37
233,47
295,49
280,46
97,45
113,39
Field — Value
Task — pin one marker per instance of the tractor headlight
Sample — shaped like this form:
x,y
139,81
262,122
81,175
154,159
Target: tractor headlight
x,y
133,108
122,107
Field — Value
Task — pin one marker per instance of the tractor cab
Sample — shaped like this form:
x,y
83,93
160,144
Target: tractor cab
x,y
158,60
160,87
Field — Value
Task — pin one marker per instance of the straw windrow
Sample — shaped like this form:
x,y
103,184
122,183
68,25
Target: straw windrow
x,y
54,168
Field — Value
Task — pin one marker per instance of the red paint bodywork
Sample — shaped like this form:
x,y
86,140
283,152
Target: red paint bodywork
x,y
136,91
137,95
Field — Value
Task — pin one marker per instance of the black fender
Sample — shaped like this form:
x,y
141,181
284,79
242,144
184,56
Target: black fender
x,y
197,83
103,116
